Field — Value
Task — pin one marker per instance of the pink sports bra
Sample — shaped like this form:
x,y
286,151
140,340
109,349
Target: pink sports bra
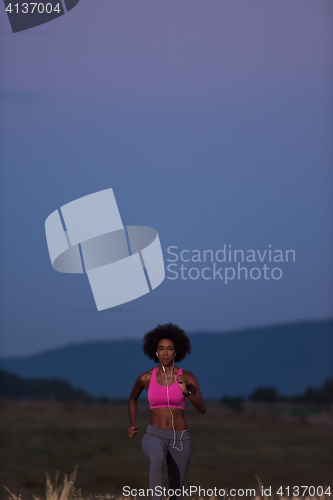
x,y
157,394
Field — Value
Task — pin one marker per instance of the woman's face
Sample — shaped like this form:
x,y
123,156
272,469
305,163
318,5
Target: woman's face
x,y
166,351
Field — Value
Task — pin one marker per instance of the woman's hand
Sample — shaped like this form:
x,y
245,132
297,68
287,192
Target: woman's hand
x,y
182,383
142,382
131,432
189,383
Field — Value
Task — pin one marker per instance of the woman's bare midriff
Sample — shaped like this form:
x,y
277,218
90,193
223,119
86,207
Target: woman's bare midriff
x,y
161,417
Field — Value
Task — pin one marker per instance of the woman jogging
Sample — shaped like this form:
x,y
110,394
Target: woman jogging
x,y
169,387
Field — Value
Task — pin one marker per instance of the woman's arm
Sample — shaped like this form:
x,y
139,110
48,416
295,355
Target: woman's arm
x,y
139,385
187,382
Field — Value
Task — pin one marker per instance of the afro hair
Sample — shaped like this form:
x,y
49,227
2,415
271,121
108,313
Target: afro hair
x,y
168,331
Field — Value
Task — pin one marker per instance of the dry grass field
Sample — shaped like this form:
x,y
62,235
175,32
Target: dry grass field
x,y
229,449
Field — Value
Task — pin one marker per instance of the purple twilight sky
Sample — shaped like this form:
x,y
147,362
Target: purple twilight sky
x,y
212,122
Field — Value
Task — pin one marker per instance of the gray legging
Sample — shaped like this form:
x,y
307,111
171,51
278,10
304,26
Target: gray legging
x,y
157,444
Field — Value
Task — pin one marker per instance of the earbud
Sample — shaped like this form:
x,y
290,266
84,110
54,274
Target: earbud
x,y
156,354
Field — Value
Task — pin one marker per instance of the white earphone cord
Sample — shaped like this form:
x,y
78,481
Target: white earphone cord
x,y
173,425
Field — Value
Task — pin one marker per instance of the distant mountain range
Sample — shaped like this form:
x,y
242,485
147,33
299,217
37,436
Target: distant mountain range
x,y
290,357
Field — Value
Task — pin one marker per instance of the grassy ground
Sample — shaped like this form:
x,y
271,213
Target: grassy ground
x,y
229,449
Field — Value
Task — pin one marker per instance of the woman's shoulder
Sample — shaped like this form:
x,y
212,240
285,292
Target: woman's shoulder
x,y
146,376
188,374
